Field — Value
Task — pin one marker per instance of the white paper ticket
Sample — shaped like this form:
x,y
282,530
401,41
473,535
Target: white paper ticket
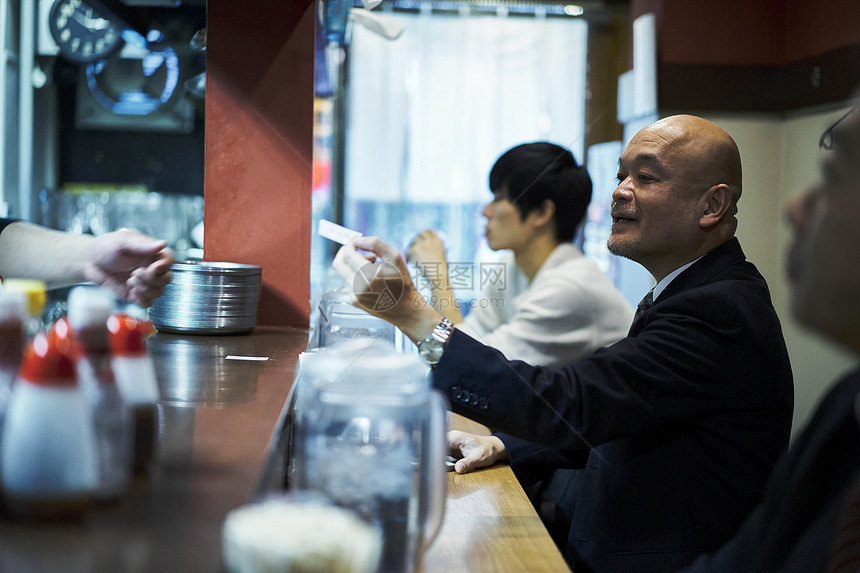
x,y
335,232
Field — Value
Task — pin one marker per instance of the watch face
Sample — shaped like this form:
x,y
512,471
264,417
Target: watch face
x,y
81,33
430,350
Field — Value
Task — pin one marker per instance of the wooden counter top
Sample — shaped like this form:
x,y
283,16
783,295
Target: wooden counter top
x,y
490,525
218,416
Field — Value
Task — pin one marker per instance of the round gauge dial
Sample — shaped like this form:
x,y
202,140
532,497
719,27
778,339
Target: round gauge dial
x,y
81,32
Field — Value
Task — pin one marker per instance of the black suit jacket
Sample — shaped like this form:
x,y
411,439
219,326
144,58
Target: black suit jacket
x,y
792,529
678,425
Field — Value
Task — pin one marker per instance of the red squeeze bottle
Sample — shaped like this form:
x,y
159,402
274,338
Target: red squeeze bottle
x,y
89,310
48,451
13,316
135,377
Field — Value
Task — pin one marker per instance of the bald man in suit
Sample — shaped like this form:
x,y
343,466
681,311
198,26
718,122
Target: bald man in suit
x,y
677,425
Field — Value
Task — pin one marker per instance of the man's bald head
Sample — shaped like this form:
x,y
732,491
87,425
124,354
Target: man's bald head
x,y
708,152
679,183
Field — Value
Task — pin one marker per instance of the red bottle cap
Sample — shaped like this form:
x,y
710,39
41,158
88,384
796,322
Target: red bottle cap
x,y
49,363
60,334
127,335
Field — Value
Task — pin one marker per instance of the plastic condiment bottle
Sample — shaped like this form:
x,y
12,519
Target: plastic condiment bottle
x,y
48,450
13,317
89,310
135,377
35,295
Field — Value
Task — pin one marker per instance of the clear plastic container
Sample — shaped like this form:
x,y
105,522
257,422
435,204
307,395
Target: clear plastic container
x,y
340,321
371,435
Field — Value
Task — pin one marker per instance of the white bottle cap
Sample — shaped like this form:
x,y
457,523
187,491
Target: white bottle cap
x,y
89,306
34,292
13,305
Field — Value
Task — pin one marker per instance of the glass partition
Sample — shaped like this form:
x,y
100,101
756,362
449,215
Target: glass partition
x,y
429,112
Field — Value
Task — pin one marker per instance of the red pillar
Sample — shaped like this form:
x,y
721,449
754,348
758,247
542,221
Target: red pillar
x,y
259,137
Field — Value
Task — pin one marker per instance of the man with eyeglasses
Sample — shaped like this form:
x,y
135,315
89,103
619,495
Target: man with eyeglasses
x,y
809,518
679,424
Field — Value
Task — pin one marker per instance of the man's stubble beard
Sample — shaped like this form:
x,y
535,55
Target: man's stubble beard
x,y
624,249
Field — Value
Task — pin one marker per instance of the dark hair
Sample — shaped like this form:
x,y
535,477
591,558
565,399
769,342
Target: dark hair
x,y
535,172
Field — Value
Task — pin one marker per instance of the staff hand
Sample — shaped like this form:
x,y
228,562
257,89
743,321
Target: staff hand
x,y
132,265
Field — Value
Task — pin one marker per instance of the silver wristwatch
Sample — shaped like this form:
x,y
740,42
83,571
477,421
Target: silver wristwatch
x,y
431,348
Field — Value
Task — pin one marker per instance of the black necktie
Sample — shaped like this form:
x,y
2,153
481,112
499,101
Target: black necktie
x,y
643,305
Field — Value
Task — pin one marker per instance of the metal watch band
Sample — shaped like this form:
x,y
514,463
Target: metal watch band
x,y
431,348
443,331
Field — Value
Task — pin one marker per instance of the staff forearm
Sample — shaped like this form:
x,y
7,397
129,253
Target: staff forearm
x,y
34,252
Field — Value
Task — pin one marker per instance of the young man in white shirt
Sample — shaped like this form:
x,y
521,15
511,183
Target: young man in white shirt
x,y
554,305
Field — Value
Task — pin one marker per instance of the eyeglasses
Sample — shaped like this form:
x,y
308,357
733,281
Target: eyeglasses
x,y
826,140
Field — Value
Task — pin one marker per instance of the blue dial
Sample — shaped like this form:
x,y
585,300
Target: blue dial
x,y
81,32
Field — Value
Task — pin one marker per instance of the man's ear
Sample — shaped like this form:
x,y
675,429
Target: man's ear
x,y
543,215
718,202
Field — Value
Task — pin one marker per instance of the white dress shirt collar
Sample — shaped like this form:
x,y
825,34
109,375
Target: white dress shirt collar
x,y
661,286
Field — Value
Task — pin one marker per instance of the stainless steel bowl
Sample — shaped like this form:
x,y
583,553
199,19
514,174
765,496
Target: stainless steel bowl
x,y
209,298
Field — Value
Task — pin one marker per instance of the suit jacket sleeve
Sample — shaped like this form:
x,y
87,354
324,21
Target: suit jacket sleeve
x,y
692,355
532,463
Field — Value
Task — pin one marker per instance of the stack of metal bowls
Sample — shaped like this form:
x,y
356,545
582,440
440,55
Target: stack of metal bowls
x,y
209,298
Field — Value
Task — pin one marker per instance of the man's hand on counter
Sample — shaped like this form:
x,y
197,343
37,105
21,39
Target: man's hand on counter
x,y
475,451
